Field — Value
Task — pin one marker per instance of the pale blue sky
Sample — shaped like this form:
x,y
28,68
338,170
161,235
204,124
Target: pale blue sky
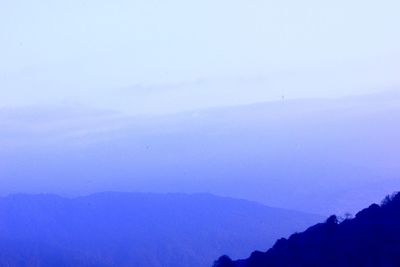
x,y
61,61
168,56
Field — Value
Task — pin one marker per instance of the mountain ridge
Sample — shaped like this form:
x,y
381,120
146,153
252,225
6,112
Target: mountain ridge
x,y
371,238
135,229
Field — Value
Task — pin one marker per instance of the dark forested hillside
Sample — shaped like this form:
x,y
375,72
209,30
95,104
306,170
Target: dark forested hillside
x,y
371,238
124,229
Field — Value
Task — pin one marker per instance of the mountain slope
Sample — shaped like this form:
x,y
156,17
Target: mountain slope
x,y
136,229
372,238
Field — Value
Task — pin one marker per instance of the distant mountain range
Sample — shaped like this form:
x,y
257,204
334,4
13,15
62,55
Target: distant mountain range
x,y
326,154
137,229
372,238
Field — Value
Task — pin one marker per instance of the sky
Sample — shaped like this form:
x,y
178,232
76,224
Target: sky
x,y
246,99
158,57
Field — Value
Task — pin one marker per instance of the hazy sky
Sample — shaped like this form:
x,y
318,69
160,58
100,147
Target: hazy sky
x,y
61,61
158,56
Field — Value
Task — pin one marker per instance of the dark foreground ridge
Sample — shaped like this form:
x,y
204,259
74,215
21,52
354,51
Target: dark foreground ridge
x,y
372,238
136,229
